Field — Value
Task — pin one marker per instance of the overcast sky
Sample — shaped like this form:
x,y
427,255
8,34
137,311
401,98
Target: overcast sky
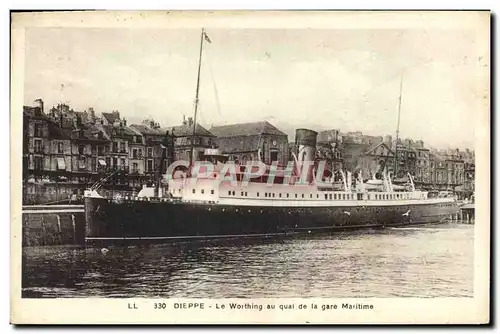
x,y
322,79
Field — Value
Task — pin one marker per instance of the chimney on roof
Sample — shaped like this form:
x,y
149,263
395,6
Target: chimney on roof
x,y
92,115
39,104
190,121
152,124
124,122
184,122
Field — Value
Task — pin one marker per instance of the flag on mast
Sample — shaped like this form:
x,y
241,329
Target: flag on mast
x,y
207,38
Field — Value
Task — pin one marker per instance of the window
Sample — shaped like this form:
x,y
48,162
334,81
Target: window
x,y
115,147
330,196
38,163
100,150
326,196
212,192
122,147
229,192
60,147
81,149
310,195
38,146
287,195
122,162
317,195
274,156
108,161
194,191
150,151
295,195
135,167
279,195
233,192
38,130
115,162
273,195
302,195
202,191
265,194
257,194
150,165
246,194
134,153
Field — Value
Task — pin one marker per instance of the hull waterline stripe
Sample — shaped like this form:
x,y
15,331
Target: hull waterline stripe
x,y
186,237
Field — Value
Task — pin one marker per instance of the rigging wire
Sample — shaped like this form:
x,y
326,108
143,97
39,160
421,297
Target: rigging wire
x,y
216,92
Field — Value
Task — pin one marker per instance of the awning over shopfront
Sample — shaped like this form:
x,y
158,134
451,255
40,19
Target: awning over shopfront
x,y
61,164
102,162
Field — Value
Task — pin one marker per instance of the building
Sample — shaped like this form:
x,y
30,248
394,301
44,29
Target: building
x,y
469,172
423,170
183,137
252,141
329,148
154,135
406,158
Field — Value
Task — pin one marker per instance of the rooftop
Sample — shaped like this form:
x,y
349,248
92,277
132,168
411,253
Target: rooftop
x,y
246,129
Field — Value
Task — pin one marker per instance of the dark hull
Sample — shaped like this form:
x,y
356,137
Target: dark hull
x,y
143,220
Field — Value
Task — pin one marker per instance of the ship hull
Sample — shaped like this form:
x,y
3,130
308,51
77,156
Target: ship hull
x,y
146,220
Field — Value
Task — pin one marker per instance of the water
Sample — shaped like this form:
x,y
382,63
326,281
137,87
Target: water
x,y
429,261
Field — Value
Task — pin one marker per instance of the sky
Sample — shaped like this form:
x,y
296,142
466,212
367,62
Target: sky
x,y
346,79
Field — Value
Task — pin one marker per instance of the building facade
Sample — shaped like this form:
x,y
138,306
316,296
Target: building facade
x,y
251,142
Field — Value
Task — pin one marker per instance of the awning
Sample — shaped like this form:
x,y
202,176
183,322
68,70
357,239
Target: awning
x,y
102,162
61,164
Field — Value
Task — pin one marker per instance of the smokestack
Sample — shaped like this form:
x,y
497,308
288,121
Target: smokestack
x,y
124,122
305,140
190,121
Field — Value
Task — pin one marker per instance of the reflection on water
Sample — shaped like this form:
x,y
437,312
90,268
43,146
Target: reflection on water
x,y
414,262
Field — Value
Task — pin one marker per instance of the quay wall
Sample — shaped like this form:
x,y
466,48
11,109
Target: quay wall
x,y
45,225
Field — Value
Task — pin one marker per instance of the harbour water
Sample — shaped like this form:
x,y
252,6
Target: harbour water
x,y
424,261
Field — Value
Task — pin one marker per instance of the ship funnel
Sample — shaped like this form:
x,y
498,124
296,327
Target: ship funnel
x,y
305,141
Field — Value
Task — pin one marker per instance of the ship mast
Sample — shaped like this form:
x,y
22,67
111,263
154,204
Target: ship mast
x,y
397,129
196,100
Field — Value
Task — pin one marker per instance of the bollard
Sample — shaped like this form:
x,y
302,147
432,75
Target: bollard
x,y
44,242
59,230
74,228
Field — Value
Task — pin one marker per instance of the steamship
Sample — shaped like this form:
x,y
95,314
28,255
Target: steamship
x,y
274,203
209,206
